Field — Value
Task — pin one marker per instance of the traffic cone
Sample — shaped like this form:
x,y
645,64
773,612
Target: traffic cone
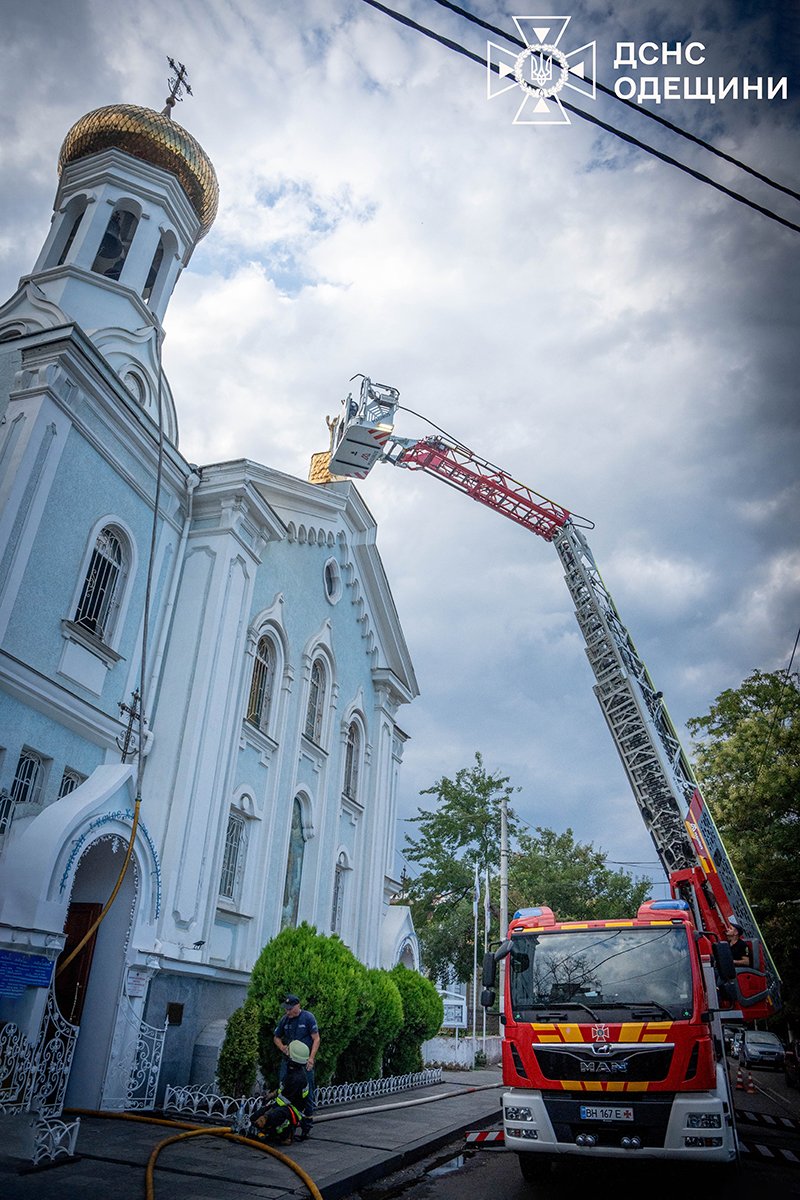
x,y
751,1087
740,1080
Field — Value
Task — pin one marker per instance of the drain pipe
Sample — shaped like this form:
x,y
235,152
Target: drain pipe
x,y
363,1112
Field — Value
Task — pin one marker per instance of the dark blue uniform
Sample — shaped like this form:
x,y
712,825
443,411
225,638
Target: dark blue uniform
x,y
299,1029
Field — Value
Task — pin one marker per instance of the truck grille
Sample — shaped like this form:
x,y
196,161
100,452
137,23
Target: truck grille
x,y
635,1066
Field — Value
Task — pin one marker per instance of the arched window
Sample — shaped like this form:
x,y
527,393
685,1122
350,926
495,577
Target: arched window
x,y
232,857
294,869
116,243
258,705
99,596
351,757
65,236
339,876
152,274
316,702
27,778
69,781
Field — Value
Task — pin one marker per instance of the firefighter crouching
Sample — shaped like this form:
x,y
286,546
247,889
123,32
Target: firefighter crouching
x,y
283,1112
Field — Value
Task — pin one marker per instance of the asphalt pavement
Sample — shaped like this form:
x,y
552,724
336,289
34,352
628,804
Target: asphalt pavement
x,y
341,1156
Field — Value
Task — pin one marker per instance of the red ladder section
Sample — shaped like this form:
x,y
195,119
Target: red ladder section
x,y
487,484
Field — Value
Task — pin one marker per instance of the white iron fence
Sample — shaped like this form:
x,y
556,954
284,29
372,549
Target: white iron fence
x,y
205,1101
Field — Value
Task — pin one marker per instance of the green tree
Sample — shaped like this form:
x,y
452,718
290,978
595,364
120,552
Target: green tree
x,y
423,1015
238,1059
544,868
329,980
381,1013
571,878
462,832
747,750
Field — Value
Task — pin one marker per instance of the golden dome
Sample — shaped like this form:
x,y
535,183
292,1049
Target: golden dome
x,y
147,134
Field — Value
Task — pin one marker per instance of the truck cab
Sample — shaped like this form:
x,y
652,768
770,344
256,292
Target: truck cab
x,y
613,1044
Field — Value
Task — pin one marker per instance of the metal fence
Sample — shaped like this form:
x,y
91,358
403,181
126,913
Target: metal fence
x,y
205,1101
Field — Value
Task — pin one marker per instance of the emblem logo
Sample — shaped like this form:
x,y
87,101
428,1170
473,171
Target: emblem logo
x,y
541,70
601,1033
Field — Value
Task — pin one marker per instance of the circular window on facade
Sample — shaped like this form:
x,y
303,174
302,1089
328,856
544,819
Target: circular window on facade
x,y
332,579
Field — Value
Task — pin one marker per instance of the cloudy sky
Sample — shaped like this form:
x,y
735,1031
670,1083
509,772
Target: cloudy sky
x,y
615,333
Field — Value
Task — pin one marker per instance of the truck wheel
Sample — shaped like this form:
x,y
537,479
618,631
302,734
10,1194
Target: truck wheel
x,y
535,1168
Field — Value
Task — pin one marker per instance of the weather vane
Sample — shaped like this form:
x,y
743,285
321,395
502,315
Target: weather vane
x,y
176,85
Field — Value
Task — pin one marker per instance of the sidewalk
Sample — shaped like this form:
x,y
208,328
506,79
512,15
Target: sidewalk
x,y
341,1156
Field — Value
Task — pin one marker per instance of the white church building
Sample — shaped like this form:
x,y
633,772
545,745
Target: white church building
x,y
275,670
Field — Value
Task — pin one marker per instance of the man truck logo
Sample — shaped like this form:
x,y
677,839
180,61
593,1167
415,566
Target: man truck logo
x,y
617,1066
600,1033
541,70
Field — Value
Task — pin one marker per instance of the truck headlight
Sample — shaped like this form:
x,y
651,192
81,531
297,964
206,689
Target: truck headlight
x,y
519,1114
702,1143
530,1134
704,1121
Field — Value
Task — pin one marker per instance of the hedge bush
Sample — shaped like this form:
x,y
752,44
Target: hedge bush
x,y
380,1019
330,982
238,1057
423,1012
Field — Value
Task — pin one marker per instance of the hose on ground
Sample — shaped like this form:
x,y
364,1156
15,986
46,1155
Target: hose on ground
x,y
193,1131
362,1112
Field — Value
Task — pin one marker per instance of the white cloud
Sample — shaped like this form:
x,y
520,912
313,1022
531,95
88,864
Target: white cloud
x,y
614,333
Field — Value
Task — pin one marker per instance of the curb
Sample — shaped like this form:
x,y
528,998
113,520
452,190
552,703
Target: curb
x,y
406,1157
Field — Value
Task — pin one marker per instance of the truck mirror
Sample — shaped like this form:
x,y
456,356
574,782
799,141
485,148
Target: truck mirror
x,y
723,960
489,972
487,997
503,950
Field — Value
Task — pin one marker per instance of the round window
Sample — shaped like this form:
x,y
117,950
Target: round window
x,y
332,579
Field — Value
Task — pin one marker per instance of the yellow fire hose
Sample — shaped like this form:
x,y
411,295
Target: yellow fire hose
x,y
195,1131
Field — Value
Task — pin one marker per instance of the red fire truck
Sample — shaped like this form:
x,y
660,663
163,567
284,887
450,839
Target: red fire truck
x,y
613,1029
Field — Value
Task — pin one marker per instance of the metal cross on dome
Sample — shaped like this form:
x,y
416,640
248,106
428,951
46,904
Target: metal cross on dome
x,y
176,85
541,70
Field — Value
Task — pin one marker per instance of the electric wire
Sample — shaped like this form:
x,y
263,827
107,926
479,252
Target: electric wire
x,y
142,677
629,103
579,112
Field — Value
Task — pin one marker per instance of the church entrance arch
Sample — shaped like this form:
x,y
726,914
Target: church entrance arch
x,y
93,989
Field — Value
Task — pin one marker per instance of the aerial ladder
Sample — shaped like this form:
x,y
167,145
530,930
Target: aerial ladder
x,y
683,831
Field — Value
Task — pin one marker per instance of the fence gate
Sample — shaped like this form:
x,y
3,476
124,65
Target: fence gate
x,y
136,1052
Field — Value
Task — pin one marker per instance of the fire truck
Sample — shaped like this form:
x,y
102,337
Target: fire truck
x,y
613,1040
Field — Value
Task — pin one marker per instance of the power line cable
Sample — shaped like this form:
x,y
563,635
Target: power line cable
x,y
629,103
625,137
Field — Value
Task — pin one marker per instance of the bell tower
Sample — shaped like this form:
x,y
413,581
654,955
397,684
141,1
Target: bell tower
x,y
136,194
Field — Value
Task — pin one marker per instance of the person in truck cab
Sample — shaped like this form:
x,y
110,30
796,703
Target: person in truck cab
x,y
740,949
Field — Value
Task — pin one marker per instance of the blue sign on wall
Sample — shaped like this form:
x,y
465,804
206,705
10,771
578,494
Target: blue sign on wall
x,y
18,971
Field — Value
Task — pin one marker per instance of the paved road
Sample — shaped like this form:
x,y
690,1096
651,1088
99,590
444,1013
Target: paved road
x,y
458,1174
495,1173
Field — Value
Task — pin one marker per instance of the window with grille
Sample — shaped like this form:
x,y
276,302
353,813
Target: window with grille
x,y
316,701
232,857
258,705
27,778
339,876
96,606
352,749
69,781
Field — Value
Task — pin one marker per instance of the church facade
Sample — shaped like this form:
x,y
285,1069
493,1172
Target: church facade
x,y
275,660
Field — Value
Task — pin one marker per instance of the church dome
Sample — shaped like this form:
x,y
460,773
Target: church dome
x,y
147,134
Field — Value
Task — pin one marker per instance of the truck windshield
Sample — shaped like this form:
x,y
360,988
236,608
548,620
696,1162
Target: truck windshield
x,y
601,969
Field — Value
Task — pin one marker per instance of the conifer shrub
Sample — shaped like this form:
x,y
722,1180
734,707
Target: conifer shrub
x,y
238,1058
423,1013
381,1019
330,982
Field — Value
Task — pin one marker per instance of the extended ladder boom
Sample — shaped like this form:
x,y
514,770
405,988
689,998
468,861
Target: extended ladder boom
x,y
683,831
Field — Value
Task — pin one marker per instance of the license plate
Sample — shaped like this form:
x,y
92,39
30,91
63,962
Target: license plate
x,y
591,1112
